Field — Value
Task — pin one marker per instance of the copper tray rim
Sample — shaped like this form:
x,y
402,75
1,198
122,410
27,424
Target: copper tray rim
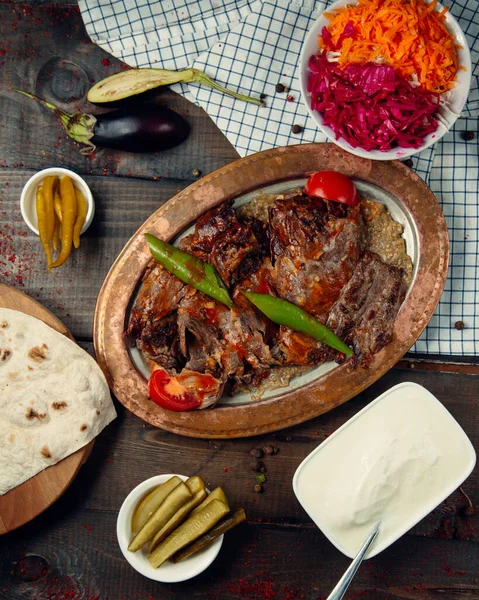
x,y
316,397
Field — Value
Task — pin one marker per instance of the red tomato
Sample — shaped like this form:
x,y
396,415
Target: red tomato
x,y
333,186
184,392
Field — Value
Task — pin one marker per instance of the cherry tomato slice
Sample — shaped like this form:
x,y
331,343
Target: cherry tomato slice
x,y
334,186
184,392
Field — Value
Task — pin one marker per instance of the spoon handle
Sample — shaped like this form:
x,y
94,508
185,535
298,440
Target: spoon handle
x,y
343,584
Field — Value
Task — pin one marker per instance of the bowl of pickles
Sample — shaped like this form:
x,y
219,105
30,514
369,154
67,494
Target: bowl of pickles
x,y
170,528
58,206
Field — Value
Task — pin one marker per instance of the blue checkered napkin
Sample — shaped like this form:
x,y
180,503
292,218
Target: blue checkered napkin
x,y
166,34
172,33
252,45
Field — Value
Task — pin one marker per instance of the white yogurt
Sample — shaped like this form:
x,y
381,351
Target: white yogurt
x,y
394,462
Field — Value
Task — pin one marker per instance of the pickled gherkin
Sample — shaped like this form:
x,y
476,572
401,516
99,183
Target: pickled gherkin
x,y
197,488
179,496
177,519
210,536
216,494
190,530
151,503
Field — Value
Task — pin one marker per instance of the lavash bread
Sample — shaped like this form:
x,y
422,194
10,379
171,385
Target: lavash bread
x,y
54,398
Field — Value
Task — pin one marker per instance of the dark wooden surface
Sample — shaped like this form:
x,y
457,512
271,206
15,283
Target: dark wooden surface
x,y
70,552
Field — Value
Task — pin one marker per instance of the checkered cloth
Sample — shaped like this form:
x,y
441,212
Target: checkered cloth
x,y
250,45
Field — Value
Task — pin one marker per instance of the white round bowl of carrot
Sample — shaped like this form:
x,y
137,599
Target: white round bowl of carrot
x,y
385,79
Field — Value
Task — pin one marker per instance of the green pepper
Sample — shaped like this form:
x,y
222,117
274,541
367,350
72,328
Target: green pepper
x,y
191,270
284,313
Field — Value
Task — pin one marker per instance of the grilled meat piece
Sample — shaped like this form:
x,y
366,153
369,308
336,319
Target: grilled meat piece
x,y
235,248
207,228
230,246
152,324
198,324
158,340
159,295
297,348
364,314
315,246
288,347
226,343
260,230
261,282
230,337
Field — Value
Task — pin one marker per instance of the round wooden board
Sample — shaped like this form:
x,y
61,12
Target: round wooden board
x,y
28,500
329,390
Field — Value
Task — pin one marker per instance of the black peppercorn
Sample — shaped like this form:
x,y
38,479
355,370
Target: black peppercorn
x,y
256,453
262,96
257,465
408,162
280,88
258,488
459,325
268,450
468,135
296,129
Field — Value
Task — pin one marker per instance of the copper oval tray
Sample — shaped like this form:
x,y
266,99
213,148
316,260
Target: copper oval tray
x,y
331,389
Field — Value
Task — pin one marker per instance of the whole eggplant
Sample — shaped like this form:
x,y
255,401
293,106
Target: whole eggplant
x,y
140,129
147,128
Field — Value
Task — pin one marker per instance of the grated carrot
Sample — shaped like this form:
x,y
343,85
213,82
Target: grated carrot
x,y
408,35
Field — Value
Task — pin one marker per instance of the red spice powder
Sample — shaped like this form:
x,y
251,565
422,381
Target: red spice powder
x,y
262,590
54,587
16,254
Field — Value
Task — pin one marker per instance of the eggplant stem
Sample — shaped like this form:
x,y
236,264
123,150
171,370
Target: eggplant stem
x,y
201,77
79,127
64,116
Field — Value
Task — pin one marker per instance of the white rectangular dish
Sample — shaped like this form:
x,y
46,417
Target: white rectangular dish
x,y
393,462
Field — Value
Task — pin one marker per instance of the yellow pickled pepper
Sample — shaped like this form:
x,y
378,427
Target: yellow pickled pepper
x,y
56,233
57,203
57,217
81,216
40,206
49,185
69,214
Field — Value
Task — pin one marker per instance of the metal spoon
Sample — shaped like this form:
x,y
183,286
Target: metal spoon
x,y
346,579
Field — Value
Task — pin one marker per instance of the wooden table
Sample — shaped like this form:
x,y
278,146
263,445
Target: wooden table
x,y
71,552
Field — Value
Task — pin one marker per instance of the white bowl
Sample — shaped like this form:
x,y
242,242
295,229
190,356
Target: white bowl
x,y
168,572
28,197
457,98
393,462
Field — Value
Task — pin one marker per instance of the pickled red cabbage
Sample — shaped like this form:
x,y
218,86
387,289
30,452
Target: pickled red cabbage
x,y
370,105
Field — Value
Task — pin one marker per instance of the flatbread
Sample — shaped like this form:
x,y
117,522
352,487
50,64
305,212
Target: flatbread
x,y
54,398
